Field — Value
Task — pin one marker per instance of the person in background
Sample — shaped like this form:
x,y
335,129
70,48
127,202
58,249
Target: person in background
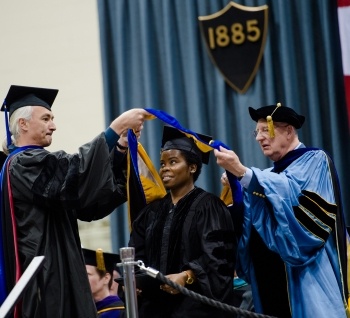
x,y
187,235
43,194
292,249
99,268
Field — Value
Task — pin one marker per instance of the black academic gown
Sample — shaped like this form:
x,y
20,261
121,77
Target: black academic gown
x,y
201,240
50,192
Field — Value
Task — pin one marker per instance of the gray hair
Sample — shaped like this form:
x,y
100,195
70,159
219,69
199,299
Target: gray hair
x,y
23,112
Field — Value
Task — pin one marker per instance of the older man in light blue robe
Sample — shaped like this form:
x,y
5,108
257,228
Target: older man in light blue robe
x,y
293,243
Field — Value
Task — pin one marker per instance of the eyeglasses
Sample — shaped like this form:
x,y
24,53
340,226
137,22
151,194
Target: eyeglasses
x,y
265,131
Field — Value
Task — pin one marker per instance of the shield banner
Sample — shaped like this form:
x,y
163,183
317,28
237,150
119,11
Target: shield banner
x,y
235,39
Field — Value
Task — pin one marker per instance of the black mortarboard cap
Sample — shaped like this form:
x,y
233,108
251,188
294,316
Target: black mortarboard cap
x,y
103,261
279,114
20,96
175,139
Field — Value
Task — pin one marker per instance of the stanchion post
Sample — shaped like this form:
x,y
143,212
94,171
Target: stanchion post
x,y
127,256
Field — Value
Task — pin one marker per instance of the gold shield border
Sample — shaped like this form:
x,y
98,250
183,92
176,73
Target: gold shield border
x,y
243,8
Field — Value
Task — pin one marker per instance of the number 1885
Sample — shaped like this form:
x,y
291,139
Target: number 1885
x,y
221,36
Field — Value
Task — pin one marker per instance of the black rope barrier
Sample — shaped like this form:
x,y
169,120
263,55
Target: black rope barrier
x,y
231,309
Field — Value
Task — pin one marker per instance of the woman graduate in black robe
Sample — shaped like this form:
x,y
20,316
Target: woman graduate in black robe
x,y
187,235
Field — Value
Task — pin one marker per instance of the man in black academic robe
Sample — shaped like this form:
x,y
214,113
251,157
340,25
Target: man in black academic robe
x,y
43,195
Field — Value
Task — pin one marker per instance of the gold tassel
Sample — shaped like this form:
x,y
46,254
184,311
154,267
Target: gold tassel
x,y
270,127
100,260
269,120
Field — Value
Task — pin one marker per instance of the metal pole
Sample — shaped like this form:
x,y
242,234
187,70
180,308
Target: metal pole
x,y
127,256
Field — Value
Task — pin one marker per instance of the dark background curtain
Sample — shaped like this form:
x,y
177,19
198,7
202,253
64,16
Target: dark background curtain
x,y
153,55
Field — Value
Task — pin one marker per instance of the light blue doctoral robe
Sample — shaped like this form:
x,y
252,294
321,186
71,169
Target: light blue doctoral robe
x,y
312,263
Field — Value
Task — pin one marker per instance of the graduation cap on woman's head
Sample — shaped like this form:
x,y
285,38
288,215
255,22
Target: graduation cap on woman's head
x,y
20,96
175,139
103,261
